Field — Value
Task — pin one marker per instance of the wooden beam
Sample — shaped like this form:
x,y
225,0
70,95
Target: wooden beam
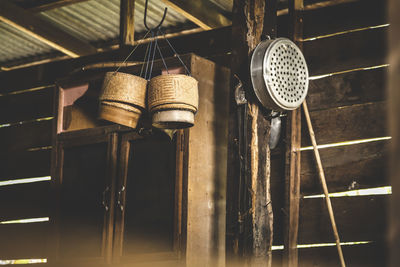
x,y
127,22
201,12
292,165
42,30
251,212
394,125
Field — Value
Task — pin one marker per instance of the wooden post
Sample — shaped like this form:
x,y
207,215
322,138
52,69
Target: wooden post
x,y
394,126
292,166
127,22
252,238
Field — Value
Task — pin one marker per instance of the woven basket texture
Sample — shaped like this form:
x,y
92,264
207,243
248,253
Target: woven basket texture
x,y
121,106
123,87
173,91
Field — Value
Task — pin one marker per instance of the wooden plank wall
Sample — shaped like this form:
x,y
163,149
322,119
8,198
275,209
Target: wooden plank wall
x,y
25,142
345,48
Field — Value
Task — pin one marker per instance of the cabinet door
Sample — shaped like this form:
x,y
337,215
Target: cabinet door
x,y
85,187
147,217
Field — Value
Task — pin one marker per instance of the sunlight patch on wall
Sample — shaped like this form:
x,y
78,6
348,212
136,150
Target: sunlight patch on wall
x,y
385,190
25,180
347,143
22,261
345,32
317,77
320,245
24,122
30,220
39,148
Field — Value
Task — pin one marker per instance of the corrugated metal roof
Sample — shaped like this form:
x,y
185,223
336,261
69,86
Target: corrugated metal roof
x,y
92,21
97,20
15,44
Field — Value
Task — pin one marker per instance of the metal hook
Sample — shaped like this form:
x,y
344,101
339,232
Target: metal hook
x,y
145,16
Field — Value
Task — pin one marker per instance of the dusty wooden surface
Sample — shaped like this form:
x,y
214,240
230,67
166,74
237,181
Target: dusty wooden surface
x,y
394,111
207,167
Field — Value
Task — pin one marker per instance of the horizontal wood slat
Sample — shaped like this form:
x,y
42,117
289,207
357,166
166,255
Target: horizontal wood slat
x,y
23,201
363,255
25,164
325,20
26,106
344,17
24,241
346,51
346,168
357,218
19,138
347,123
350,88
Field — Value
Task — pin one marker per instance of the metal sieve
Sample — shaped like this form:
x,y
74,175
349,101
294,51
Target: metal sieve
x,y
279,74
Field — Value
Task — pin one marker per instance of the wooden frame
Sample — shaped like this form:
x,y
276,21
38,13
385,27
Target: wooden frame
x,y
75,139
179,242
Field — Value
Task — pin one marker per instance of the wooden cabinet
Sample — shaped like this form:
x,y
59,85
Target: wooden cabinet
x,y
128,196
85,184
119,196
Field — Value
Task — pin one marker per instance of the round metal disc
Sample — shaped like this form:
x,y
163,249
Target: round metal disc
x,y
285,74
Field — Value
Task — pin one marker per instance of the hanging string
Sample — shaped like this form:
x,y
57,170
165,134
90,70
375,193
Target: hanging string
x,y
130,54
173,49
152,60
144,60
161,55
148,59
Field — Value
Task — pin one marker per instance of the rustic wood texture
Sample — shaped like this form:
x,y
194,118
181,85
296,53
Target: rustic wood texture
x,y
346,51
351,213
25,164
127,22
43,31
201,12
207,166
364,255
347,89
348,123
394,124
293,155
23,241
25,136
347,168
321,175
26,106
324,20
254,228
24,201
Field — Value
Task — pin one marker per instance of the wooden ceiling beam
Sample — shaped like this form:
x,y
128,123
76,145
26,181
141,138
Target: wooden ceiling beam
x,y
127,22
201,12
42,30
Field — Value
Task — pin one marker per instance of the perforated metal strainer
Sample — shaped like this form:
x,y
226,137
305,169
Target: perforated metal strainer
x,y
279,74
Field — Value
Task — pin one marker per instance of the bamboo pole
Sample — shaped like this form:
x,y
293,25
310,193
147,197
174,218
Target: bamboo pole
x,y
323,183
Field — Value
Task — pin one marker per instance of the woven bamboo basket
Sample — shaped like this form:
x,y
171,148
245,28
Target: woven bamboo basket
x,y
122,99
173,101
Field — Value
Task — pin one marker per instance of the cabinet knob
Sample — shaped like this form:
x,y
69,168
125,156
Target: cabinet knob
x,y
119,203
104,200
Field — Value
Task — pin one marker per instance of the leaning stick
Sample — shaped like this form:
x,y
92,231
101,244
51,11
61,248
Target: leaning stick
x,y
323,182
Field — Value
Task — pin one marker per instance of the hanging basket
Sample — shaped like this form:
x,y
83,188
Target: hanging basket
x,y
123,98
173,100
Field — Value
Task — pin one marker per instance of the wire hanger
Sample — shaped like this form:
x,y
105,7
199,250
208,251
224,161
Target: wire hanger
x,y
145,17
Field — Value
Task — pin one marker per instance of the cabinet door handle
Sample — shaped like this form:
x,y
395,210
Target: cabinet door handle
x,y
119,203
104,200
